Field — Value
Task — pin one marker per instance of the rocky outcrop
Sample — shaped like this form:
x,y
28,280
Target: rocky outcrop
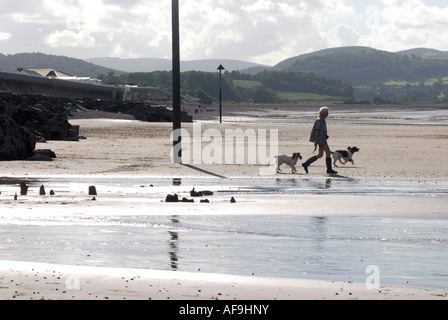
x,y
26,119
139,110
16,142
46,117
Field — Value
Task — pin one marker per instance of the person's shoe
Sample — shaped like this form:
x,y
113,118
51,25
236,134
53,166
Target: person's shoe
x,y
306,164
329,168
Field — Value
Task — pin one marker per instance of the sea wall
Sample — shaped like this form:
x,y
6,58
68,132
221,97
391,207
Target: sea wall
x,y
26,84
29,84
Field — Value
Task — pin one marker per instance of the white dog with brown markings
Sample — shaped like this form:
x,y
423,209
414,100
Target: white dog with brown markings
x,y
345,155
289,160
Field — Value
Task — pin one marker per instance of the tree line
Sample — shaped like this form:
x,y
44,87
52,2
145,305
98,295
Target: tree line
x,y
205,85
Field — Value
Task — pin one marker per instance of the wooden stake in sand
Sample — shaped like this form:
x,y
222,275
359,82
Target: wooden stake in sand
x,y
92,191
23,189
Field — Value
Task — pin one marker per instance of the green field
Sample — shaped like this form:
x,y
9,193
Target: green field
x,y
428,82
305,96
289,96
246,83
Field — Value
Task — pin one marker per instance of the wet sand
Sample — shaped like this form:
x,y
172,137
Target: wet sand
x,y
126,148
36,281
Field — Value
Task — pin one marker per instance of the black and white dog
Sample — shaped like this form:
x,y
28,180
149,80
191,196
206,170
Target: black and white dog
x,y
346,155
289,160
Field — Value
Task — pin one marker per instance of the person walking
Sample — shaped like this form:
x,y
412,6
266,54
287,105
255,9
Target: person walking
x,y
319,136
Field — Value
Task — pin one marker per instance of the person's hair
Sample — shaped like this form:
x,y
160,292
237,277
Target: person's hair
x,y
324,110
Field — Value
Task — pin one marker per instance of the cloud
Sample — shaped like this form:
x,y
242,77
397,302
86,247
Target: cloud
x,y
341,36
69,38
407,24
263,31
4,36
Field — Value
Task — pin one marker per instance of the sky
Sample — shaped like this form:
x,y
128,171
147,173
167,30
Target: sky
x,y
260,31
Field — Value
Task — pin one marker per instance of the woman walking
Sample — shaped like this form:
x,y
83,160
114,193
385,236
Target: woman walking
x,y
319,137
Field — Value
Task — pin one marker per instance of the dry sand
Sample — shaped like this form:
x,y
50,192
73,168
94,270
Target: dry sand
x,y
124,147
119,147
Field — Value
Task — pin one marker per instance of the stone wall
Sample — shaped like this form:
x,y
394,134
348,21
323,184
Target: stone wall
x,y
26,84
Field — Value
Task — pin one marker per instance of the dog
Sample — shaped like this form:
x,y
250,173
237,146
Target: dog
x,y
289,160
346,155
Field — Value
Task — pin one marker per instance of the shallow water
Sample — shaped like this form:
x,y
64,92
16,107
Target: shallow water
x,y
413,251
383,116
405,250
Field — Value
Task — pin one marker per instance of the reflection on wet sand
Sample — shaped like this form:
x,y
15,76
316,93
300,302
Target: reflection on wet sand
x,y
174,245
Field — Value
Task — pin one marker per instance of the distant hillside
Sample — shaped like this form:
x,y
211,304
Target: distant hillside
x,y
362,65
44,61
426,53
153,64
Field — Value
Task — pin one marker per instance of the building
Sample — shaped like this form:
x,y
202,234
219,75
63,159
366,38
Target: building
x,y
56,74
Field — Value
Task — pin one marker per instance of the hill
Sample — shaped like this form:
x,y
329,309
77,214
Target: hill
x,y
37,60
425,53
364,66
153,64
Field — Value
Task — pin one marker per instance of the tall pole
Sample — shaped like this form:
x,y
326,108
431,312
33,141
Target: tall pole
x,y
176,82
220,97
220,68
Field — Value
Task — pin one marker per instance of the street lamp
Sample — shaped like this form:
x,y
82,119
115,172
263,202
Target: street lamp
x,y
220,68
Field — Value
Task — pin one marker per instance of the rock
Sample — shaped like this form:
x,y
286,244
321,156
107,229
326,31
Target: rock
x,y
16,142
42,155
139,110
194,193
46,117
172,198
232,200
187,200
204,201
92,191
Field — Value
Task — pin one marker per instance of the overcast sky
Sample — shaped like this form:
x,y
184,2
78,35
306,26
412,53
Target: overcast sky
x,y
261,31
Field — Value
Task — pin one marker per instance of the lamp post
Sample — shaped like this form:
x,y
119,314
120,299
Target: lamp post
x,y
220,68
176,82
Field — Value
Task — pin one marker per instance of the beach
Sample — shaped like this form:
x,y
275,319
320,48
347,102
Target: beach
x,y
401,172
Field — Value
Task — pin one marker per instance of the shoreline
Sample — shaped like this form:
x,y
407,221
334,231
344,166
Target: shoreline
x,y
311,196
40,281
